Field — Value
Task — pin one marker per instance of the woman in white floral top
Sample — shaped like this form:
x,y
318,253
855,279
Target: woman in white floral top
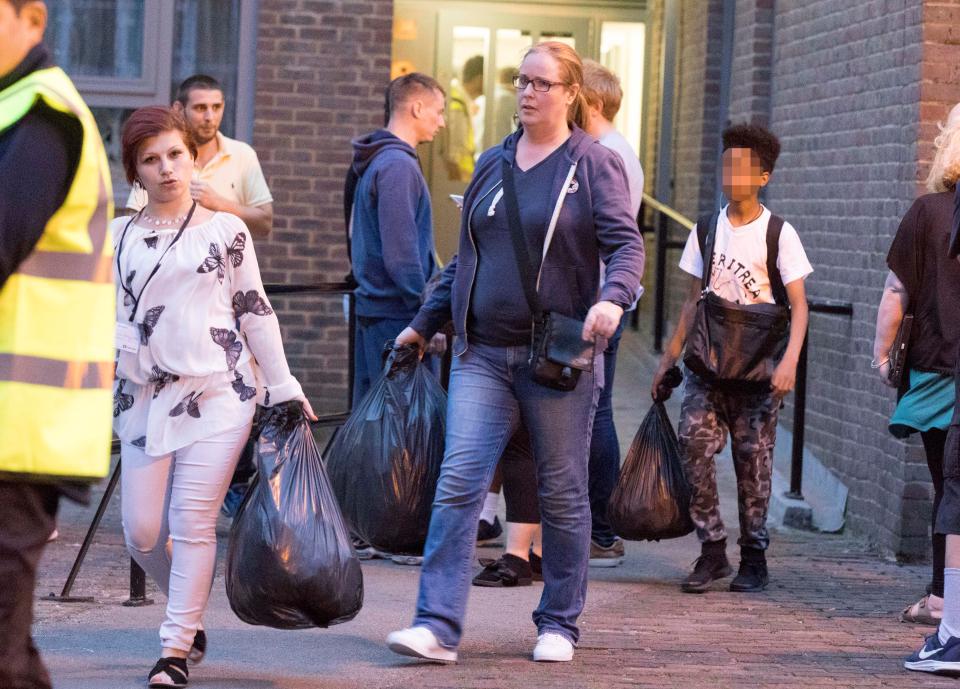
x,y
198,347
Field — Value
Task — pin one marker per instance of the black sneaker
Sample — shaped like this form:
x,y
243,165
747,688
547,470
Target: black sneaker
x,y
933,656
487,532
708,568
536,566
752,576
506,571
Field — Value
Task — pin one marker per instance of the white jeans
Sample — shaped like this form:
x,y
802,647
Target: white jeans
x,y
170,505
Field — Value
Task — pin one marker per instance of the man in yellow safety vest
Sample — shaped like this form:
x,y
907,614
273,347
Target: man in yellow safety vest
x,y
56,316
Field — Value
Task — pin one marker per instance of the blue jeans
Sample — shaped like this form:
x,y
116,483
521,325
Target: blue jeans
x,y
604,449
371,334
490,394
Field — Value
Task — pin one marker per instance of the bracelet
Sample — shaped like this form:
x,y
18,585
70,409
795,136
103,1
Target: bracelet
x,y
875,364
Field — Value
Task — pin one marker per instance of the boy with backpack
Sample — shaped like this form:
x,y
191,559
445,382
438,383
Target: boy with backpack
x,y
743,323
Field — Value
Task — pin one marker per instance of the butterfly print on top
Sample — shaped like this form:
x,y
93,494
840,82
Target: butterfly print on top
x,y
121,400
227,339
151,242
235,250
244,391
160,378
149,323
249,302
127,299
189,404
213,262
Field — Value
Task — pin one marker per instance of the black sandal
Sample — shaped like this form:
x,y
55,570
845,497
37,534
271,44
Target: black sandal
x,y
199,649
507,570
168,672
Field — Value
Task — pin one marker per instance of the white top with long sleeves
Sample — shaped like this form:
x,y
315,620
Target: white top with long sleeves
x,y
210,346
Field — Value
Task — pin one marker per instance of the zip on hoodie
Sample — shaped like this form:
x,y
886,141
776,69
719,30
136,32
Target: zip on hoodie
x,y
476,263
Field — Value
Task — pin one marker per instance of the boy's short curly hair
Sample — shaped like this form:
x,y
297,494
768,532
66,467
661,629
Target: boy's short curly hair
x,y
758,139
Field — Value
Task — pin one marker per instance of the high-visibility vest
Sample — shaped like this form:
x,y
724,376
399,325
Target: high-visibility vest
x,y
57,313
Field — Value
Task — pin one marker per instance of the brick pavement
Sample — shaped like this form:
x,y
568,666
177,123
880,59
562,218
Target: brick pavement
x,y
827,620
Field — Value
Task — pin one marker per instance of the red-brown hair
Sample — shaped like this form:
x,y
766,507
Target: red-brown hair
x,y
146,123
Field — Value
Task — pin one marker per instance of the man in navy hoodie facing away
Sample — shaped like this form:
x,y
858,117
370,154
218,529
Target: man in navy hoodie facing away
x,y
388,213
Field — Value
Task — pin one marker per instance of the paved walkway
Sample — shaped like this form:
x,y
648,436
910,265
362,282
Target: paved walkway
x,y
827,620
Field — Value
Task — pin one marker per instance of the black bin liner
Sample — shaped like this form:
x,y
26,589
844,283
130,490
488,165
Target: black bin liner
x,y
290,563
385,461
652,498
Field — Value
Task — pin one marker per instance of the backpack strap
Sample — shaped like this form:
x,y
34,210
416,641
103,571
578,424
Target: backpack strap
x,y
774,230
706,238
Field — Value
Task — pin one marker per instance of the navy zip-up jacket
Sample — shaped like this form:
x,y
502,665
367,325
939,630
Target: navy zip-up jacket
x,y
391,251
595,225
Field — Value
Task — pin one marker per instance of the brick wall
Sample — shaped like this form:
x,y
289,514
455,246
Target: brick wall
x,y
845,104
752,56
696,135
939,73
322,66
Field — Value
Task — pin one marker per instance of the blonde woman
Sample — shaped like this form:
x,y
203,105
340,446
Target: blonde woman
x,y
566,180
924,281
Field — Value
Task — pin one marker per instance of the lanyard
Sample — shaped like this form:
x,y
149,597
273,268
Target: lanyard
x,y
156,268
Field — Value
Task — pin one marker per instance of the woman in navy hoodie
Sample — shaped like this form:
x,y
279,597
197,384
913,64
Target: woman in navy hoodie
x,y
563,177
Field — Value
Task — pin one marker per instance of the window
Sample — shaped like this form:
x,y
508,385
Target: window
x,y
125,54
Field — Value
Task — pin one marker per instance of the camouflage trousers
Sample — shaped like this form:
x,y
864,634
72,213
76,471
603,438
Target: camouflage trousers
x,y
707,416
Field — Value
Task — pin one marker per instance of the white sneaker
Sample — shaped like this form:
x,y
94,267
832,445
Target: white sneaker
x,y
412,560
552,648
420,642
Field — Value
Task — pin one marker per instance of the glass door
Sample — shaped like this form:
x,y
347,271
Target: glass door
x,y
477,56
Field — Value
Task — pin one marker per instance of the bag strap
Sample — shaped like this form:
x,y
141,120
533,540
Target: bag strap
x,y
529,277
774,230
521,253
917,269
707,238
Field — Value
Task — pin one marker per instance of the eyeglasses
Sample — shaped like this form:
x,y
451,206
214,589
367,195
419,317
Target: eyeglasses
x,y
521,81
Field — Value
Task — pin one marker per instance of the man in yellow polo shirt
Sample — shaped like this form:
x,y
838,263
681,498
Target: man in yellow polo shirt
x,y
229,178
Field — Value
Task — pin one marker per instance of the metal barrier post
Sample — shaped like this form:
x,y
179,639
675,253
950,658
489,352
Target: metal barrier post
x,y
660,289
65,596
138,587
799,419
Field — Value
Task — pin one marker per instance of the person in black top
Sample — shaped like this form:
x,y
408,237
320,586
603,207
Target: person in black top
x,y
940,652
30,193
924,281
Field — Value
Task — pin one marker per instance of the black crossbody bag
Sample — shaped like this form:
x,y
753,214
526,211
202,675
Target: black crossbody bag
x,y
558,353
738,346
897,374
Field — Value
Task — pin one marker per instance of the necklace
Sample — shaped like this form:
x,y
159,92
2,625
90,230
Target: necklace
x,y
754,219
162,222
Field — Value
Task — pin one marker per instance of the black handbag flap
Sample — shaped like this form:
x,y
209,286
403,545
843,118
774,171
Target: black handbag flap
x,y
565,344
758,315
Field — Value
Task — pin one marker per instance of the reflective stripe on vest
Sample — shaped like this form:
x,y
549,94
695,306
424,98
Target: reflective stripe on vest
x,y
57,312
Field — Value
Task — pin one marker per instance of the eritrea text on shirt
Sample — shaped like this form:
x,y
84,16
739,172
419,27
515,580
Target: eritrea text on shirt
x,y
722,264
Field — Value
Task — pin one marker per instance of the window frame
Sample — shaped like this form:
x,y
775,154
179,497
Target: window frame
x,y
153,86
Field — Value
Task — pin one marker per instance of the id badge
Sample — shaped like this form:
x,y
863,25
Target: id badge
x,y
127,338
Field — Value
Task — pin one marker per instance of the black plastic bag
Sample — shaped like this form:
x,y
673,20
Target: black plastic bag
x,y
385,461
652,498
290,563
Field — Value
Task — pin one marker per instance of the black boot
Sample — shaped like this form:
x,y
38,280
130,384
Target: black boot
x,y
753,575
710,566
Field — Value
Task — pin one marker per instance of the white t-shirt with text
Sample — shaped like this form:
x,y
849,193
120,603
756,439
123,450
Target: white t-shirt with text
x,y
740,259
